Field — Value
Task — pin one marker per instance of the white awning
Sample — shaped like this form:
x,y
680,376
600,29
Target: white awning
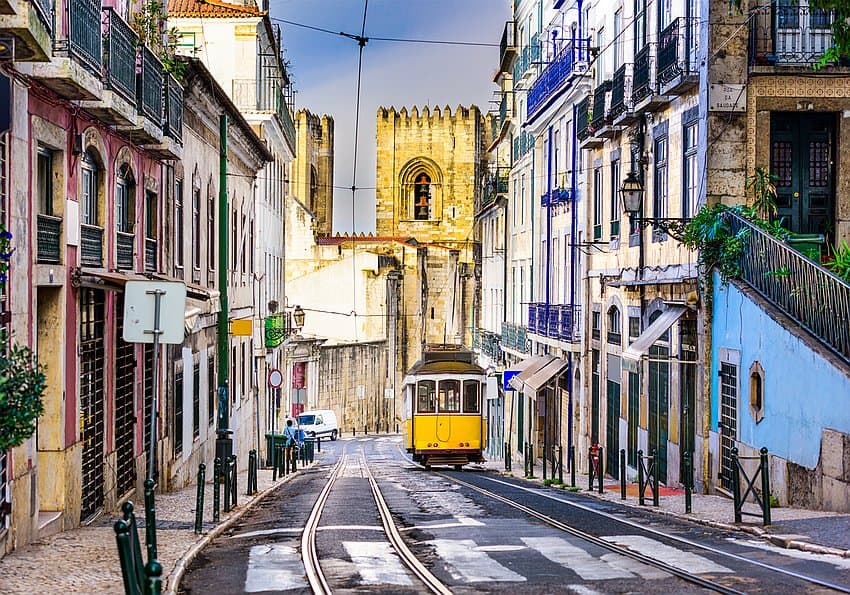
x,y
653,332
545,374
527,368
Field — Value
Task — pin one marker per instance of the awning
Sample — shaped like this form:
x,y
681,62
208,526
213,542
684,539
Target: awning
x,y
653,332
109,280
544,375
530,366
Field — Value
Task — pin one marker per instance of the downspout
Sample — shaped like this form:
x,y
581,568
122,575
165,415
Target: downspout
x,y
573,256
547,269
224,444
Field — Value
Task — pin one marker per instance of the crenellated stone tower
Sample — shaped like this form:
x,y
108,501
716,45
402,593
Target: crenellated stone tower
x,y
313,167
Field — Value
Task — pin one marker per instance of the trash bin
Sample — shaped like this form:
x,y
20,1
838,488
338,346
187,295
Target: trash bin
x,y
807,244
271,441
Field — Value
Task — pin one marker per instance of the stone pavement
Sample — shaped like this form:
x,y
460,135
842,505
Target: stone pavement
x,y
814,531
85,560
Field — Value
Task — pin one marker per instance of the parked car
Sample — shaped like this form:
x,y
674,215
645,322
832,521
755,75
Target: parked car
x,y
319,422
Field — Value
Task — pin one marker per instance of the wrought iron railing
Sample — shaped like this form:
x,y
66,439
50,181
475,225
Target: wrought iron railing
x,y
150,255
149,85
523,143
119,55
173,108
496,183
124,249
583,118
515,336
643,83
556,321
571,60
85,37
621,91
811,295
91,245
678,47
507,47
286,123
570,322
599,103
506,109
789,34
488,343
49,236
528,56
44,9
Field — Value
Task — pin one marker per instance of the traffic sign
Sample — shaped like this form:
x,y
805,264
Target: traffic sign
x,y
275,378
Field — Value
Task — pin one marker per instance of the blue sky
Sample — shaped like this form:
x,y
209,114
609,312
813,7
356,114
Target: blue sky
x,y
398,74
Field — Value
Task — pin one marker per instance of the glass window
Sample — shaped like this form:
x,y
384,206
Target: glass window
x,y
634,327
690,173
89,189
178,223
615,335
659,197
470,396
426,396
196,227
615,207
597,203
211,231
45,181
450,396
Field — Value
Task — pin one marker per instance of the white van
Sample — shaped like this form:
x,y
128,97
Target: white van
x,y
319,422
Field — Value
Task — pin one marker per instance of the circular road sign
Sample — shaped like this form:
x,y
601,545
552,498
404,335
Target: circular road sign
x,y
275,378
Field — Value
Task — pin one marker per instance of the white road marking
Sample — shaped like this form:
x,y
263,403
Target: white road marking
x,y
687,561
467,564
562,552
351,528
294,530
627,564
460,521
837,561
274,567
377,563
582,590
500,548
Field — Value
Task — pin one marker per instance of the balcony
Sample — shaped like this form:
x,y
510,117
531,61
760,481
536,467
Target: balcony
x,y
91,245
49,236
678,46
570,62
556,321
507,47
528,57
150,255
124,250
264,96
150,82
601,100
515,337
75,70
621,96
789,35
171,146
523,143
496,184
117,104
645,96
30,22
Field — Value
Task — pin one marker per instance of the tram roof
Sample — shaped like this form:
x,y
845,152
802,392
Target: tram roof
x,y
444,367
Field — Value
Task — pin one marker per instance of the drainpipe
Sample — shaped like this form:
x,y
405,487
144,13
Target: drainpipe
x,y
573,256
224,442
548,221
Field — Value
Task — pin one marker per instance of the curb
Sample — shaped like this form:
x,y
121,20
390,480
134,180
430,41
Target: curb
x,y
173,579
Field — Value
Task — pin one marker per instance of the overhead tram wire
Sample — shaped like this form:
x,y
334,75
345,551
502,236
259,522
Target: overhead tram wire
x,y
361,42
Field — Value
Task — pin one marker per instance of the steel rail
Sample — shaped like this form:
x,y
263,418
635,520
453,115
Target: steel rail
x,y
682,540
395,539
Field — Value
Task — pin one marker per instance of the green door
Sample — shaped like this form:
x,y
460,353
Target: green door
x,y
612,430
802,157
659,386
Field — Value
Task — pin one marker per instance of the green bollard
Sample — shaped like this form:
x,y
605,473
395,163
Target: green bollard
x,y
150,520
138,559
295,451
560,464
508,457
234,477
125,557
654,477
227,484
319,443
622,474
590,470
275,460
689,481
199,499
572,461
530,460
765,485
506,450
641,485
600,471
153,581
217,489
736,486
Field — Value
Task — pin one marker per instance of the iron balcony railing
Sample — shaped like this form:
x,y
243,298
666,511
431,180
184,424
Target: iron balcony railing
x,y
556,321
523,143
583,118
495,183
621,91
528,56
600,96
570,61
507,47
119,55
678,46
44,9
515,336
91,245
150,255
506,107
643,82
286,123
811,295
487,342
149,85
85,38
789,34
173,108
49,234
124,249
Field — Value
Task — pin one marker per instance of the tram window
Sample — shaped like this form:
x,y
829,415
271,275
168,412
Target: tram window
x,y
426,402
470,396
450,396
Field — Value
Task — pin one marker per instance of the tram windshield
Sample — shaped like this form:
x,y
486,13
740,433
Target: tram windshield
x,y
449,396
426,401
470,396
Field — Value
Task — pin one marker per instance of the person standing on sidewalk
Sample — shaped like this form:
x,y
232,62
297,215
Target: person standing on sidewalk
x,y
290,439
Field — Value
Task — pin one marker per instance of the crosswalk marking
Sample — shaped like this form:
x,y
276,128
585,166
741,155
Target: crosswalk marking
x,y
377,563
468,564
672,556
562,552
274,567
626,564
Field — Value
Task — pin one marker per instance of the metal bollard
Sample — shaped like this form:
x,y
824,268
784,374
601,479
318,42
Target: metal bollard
x,y
572,457
366,429
508,457
590,470
125,556
216,489
294,465
227,484
150,520
138,559
396,428
560,464
765,484
153,581
199,500
640,477
736,486
600,471
689,481
622,474
544,462
233,478
251,455
505,450
654,477
353,431
319,443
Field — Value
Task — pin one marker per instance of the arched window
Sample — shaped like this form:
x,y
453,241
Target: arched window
x,y
615,331
90,181
314,188
125,189
422,196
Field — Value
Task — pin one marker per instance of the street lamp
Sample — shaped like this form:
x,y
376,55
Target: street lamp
x,y
631,193
298,317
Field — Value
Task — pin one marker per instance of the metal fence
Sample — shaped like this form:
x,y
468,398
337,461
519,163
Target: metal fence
x,y
119,48
570,60
85,37
49,234
790,35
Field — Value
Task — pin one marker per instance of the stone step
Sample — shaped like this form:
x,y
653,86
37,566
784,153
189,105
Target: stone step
x,y
49,523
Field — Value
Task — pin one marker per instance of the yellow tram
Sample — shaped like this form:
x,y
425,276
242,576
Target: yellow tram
x,y
442,408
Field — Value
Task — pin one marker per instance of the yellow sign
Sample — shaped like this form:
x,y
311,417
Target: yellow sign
x,y
242,328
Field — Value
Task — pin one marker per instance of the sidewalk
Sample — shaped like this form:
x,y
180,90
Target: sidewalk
x,y
813,531
85,560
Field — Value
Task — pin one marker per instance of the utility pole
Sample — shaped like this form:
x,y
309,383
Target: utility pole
x,y
223,442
